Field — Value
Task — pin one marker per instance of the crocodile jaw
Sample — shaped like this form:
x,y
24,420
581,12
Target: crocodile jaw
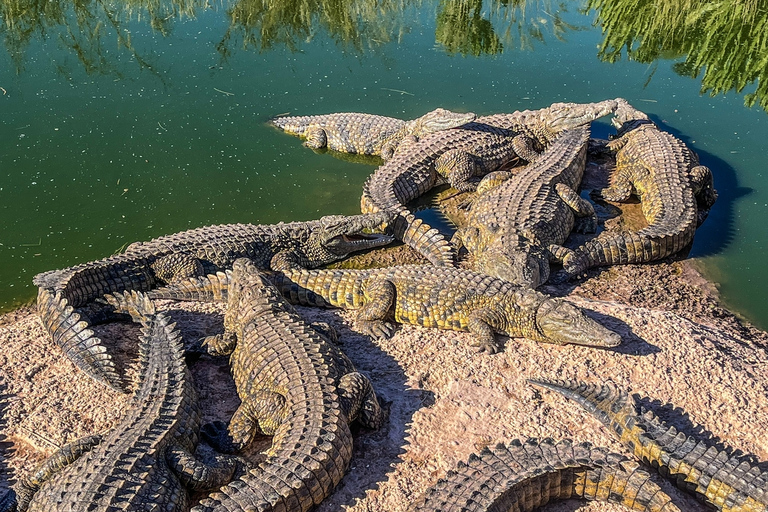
x,y
564,116
342,245
626,113
520,267
563,323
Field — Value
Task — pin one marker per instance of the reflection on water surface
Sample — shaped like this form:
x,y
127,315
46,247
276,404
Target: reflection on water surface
x,y
127,120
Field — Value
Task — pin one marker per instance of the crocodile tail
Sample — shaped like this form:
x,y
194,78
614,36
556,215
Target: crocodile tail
x,y
425,240
209,288
612,406
627,248
524,475
295,125
77,342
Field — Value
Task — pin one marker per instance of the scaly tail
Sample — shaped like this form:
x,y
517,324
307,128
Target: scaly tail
x,y
209,288
725,481
526,475
627,247
295,125
75,339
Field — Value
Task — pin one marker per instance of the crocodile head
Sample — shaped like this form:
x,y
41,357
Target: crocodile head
x,y
440,119
564,116
626,117
336,236
561,322
525,267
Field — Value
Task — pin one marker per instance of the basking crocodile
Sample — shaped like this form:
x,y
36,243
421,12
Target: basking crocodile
x,y
523,476
460,155
146,265
514,229
294,384
445,298
673,188
368,134
725,481
146,461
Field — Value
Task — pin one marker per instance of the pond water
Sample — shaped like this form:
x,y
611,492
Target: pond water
x,y
125,121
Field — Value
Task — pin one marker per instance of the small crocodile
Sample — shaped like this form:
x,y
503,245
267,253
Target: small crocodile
x,y
524,475
145,462
294,385
445,298
674,190
718,478
368,134
514,229
146,265
460,156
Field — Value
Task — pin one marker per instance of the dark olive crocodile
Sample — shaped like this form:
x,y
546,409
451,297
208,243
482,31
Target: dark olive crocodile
x,y
146,265
674,190
460,156
368,134
445,298
522,476
146,462
294,385
718,477
516,226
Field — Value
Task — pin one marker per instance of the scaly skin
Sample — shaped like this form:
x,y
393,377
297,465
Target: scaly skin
x,y
674,190
724,481
461,155
368,134
514,229
523,476
146,462
294,385
146,265
445,298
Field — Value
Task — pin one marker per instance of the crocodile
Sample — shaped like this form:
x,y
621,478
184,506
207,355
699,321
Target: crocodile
x,y
368,134
523,475
67,298
445,298
146,462
460,156
717,477
294,385
674,190
515,228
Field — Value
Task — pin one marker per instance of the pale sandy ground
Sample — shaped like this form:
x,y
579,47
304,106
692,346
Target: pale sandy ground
x,y
679,347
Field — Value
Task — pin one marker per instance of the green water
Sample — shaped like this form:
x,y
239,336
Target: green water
x,y
121,122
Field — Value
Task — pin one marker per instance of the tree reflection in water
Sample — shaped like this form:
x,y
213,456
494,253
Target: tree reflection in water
x,y
725,41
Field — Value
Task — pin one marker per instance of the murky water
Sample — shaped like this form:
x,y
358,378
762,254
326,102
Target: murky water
x,y
121,122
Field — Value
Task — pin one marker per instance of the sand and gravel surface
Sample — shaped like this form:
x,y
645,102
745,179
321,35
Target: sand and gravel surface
x,y
700,367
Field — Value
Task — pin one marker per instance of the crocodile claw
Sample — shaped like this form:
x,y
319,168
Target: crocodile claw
x,y
376,328
485,347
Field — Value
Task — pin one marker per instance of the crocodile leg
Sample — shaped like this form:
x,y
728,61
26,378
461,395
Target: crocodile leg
x,y
358,400
703,186
558,253
523,146
260,414
178,266
621,186
379,299
479,323
458,167
60,459
582,208
195,474
316,138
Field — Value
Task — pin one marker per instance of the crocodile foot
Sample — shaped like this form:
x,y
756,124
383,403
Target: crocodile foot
x,y
485,347
376,328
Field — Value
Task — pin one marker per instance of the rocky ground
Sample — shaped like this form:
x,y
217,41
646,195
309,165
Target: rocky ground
x,y
698,365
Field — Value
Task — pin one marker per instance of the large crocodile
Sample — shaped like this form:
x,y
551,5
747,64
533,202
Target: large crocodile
x,y
673,188
146,265
368,134
146,461
445,298
523,476
514,229
727,481
460,155
294,384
